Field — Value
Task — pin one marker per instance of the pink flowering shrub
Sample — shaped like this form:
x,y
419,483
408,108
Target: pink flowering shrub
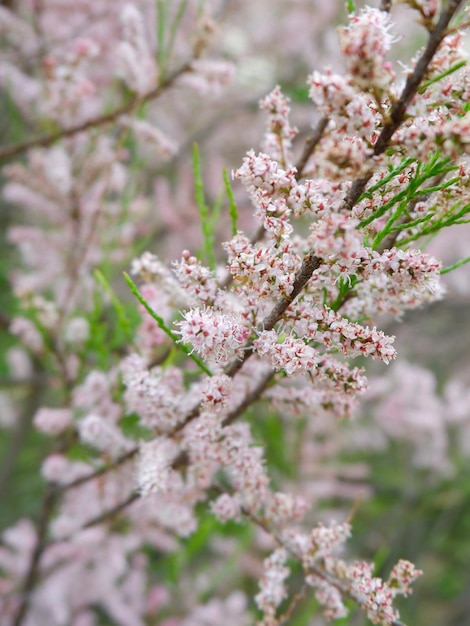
x,y
201,416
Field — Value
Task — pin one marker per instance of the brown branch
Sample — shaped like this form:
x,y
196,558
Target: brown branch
x,y
5,321
309,265
386,5
47,140
310,145
398,111
293,604
32,575
101,470
110,513
250,398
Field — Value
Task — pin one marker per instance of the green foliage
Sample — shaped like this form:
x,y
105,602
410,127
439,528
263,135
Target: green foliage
x,y
78,451
450,268
125,324
232,205
436,79
369,193
167,28
195,552
112,328
397,207
131,427
26,486
297,93
16,124
208,218
268,428
345,287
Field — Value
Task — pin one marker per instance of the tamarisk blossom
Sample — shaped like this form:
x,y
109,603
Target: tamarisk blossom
x,y
365,43
103,435
273,590
136,63
208,76
233,611
261,268
155,395
154,473
260,173
439,119
150,135
198,281
375,595
277,140
335,580
216,336
70,92
150,338
53,421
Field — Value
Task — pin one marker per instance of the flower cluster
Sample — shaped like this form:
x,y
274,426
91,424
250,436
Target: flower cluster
x,y
273,590
136,63
277,140
365,44
216,336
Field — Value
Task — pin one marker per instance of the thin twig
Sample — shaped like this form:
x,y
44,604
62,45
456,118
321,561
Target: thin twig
x,y
101,470
110,513
293,604
309,264
310,145
250,398
47,140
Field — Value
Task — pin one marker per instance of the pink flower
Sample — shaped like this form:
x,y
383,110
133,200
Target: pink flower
x,y
153,468
215,336
272,586
364,44
136,64
277,140
53,421
227,507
